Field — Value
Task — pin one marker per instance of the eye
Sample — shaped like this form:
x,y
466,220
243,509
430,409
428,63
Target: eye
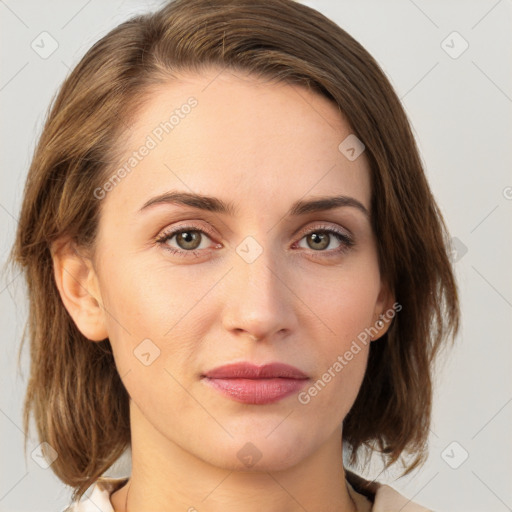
x,y
322,237
189,241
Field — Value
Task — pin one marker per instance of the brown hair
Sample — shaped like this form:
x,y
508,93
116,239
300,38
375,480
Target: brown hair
x,y
75,393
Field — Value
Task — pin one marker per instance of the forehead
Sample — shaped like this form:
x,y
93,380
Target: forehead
x,y
241,138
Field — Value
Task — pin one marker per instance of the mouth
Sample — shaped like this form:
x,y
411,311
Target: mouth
x,y
256,385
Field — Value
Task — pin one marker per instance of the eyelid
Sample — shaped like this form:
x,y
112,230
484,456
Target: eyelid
x,y
187,226
325,227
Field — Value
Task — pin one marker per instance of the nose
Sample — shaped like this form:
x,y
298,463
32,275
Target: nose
x,y
259,302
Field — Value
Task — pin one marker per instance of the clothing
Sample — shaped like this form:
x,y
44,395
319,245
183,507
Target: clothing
x,y
368,496
377,497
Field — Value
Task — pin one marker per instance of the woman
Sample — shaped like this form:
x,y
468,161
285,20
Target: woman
x,y
235,267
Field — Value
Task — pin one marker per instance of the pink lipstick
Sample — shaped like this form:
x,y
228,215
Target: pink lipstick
x,y
251,384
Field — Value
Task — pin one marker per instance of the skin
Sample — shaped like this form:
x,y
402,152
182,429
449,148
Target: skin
x,y
262,146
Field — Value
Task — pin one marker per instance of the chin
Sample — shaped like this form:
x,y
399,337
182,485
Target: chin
x,y
259,451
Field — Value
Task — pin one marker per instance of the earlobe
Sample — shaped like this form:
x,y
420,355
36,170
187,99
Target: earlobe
x,y
78,287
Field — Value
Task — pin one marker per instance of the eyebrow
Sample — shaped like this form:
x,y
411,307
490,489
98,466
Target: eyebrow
x,y
213,204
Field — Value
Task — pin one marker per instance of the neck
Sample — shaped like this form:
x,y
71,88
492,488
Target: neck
x,y
167,478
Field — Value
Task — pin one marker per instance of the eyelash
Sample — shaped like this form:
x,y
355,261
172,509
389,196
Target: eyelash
x,y
346,241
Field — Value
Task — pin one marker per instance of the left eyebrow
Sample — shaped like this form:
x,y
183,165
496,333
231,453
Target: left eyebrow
x,y
214,204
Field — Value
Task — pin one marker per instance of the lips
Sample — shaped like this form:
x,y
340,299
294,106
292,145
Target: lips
x,y
251,371
257,385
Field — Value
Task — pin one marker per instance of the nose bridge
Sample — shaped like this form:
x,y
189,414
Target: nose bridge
x,y
257,260
258,302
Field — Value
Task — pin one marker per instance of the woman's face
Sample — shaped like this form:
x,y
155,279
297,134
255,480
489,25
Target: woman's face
x,y
252,283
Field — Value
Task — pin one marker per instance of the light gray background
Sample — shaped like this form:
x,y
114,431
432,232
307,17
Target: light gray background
x,y
460,109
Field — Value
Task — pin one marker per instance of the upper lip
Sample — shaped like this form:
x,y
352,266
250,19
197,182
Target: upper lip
x,y
251,371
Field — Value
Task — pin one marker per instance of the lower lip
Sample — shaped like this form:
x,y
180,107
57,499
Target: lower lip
x,y
256,391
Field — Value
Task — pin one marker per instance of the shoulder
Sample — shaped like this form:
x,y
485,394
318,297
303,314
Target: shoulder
x,y
377,497
99,498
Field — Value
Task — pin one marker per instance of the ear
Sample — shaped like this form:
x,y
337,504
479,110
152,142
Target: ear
x,y
78,286
386,309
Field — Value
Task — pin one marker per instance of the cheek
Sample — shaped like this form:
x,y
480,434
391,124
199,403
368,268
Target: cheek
x,y
339,374
145,299
343,299
336,381
151,315
344,304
